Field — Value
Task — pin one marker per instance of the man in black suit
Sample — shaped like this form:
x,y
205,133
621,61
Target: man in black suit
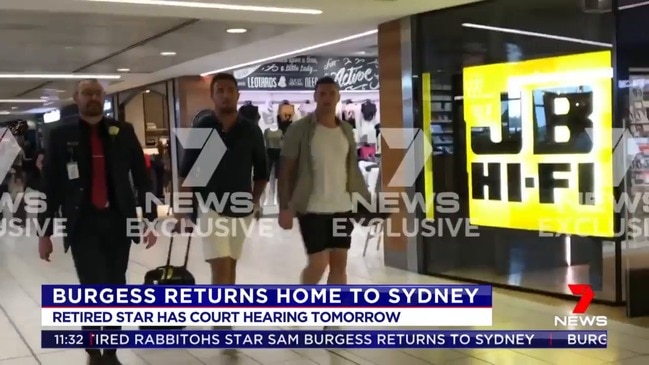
x,y
87,173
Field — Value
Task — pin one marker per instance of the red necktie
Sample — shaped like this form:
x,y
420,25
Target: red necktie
x,y
99,191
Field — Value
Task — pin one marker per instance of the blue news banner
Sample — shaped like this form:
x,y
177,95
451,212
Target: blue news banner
x,y
325,339
267,296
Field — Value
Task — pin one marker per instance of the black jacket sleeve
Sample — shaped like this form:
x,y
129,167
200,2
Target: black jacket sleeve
x,y
52,178
190,155
259,158
141,177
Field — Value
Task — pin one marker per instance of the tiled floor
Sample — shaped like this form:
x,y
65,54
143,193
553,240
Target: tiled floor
x,y
279,260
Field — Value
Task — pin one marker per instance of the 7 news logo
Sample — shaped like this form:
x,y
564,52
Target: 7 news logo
x,y
579,318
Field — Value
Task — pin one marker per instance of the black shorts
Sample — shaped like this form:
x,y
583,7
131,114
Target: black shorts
x,y
322,232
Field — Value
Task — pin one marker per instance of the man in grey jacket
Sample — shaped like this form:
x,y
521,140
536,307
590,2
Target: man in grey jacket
x,y
318,178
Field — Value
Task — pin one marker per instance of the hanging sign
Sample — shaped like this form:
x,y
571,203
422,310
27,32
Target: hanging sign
x,y
302,72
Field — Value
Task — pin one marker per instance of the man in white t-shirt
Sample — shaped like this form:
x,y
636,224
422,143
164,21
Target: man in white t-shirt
x,y
319,174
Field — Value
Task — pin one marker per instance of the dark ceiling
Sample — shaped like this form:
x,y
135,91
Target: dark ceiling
x,y
447,44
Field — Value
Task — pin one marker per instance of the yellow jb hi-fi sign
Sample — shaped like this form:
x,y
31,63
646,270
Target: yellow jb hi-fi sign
x,y
539,144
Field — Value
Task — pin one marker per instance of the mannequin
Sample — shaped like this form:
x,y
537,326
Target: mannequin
x,y
250,112
349,114
273,138
377,128
368,110
307,108
368,121
285,114
267,112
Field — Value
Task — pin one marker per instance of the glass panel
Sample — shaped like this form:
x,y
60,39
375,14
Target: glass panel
x,y
633,100
528,109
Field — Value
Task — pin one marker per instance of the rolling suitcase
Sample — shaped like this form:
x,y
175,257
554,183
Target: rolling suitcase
x,y
170,275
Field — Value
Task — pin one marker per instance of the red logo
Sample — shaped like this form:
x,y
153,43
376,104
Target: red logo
x,y
585,292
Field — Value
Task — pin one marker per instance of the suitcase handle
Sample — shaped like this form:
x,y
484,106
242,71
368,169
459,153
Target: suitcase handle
x,y
171,245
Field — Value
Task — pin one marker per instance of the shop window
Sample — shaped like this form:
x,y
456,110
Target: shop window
x,y
528,141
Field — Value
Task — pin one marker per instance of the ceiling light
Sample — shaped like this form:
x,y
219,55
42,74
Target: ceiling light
x,y
206,5
293,53
123,70
3,112
236,30
535,34
22,101
58,76
631,6
147,91
167,53
14,107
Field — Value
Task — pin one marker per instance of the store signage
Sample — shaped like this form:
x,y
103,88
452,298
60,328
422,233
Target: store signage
x,y
51,117
540,148
302,72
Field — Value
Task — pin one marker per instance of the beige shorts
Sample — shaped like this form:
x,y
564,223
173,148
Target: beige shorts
x,y
223,236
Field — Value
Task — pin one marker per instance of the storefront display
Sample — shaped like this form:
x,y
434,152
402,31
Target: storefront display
x,y
148,110
151,111
551,116
278,93
519,113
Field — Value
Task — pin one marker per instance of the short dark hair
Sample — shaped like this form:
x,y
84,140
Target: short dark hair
x,y
327,80
222,76
88,80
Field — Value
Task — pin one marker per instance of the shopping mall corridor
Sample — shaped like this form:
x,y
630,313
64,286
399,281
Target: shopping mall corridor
x,y
279,260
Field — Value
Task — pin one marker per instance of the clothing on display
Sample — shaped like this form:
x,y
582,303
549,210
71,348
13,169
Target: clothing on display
x,y
368,122
273,137
367,152
349,113
285,115
368,110
267,113
273,162
370,171
250,111
282,108
306,108
377,127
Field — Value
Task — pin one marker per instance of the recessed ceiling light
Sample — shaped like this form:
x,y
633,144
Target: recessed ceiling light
x,y
2,112
206,5
14,107
22,101
167,53
123,70
58,76
236,30
147,91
